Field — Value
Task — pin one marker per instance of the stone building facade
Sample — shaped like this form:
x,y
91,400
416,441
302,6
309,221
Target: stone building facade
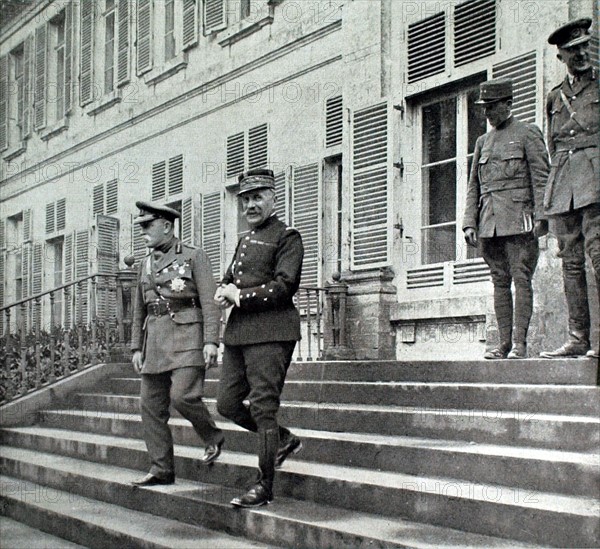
x,y
363,109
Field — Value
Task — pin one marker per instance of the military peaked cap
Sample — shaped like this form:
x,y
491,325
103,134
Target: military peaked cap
x,y
573,33
257,178
495,90
150,211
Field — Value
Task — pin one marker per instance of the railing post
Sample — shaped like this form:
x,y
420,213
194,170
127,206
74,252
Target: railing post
x,y
23,349
308,325
38,358
336,342
9,352
51,374
126,280
79,301
94,319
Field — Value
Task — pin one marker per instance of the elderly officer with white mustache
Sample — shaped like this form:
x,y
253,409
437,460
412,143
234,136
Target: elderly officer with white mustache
x,y
262,329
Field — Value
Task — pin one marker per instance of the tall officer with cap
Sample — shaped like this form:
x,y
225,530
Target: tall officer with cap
x,y
262,329
175,336
572,200
504,212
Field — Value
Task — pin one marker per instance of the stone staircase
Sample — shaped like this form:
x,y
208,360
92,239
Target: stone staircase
x,y
421,454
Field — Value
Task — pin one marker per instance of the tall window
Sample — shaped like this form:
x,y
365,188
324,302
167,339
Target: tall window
x,y
450,127
109,46
57,279
244,9
169,29
60,67
20,86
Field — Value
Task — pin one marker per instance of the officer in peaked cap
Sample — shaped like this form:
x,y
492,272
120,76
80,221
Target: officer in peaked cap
x,y
175,336
503,212
150,211
262,329
572,199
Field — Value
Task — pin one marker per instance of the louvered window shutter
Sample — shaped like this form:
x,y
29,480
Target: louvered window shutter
x,y
190,23
474,31
594,50
211,230
37,268
333,121
27,221
27,96
235,154
41,54
427,47
112,201
2,235
187,221
3,102
522,70
50,217
108,244
86,52
282,190
371,188
68,263
26,270
107,236
138,242
258,147
82,244
68,84
159,180
175,175
144,36
123,37
306,219
61,214
98,199
215,15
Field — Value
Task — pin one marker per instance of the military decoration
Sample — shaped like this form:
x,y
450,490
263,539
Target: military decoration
x,y
177,285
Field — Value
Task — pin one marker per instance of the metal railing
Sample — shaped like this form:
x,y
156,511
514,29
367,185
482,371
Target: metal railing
x,y
59,332
310,301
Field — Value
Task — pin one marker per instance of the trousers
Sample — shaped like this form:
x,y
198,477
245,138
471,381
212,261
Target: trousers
x,y
183,388
578,231
512,259
255,372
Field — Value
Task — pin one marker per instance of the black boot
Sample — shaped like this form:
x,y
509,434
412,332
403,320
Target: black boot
x,y
578,345
288,444
523,311
262,492
503,307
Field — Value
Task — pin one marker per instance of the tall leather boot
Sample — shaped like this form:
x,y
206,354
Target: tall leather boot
x,y
262,492
288,444
523,312
503,308
595,352
576,294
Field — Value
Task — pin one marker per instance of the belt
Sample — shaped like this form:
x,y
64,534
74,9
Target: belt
x,y
504,185
160,307
580,142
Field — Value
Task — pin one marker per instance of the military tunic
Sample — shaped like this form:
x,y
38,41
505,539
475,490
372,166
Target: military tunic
x,y
174,313
262,331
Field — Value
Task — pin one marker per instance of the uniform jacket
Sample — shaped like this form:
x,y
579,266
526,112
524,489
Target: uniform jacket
x,y
506,186
266,267
182,276
573,144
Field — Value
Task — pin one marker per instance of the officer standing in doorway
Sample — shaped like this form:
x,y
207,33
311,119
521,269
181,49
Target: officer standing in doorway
x,y
175,336
572,200
262,329
504,212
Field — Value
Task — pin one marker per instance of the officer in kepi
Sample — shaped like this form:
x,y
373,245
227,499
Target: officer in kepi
x,y
262,329
175,336
572,199
504,212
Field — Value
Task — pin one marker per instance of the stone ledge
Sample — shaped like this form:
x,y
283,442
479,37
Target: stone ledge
x,y
243,29
456,307
104,103
178,63
54,130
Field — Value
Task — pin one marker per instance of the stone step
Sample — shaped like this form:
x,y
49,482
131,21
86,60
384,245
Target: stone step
x,y
506,427
551,399
298,523
579,371
17,535
523,468
101,524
